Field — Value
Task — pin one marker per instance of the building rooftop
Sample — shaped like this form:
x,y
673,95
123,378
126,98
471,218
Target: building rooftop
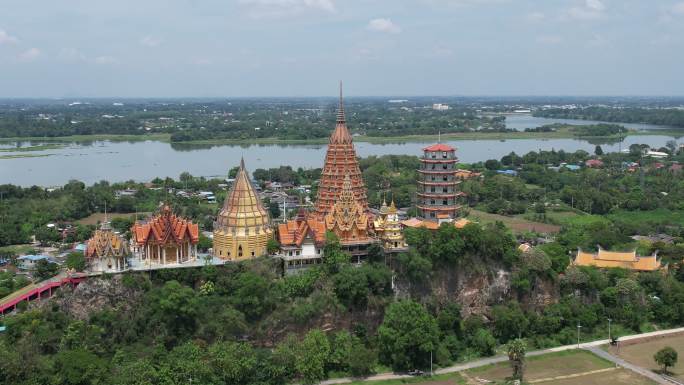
x,y
439,147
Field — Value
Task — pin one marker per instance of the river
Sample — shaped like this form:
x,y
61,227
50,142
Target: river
x,y
143,161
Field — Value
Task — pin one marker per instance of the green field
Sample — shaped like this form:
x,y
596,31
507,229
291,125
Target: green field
x,y
659,216
515,223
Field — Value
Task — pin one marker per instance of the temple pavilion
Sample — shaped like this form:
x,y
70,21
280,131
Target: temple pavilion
x,y
243,227
106,250
626,260
165,239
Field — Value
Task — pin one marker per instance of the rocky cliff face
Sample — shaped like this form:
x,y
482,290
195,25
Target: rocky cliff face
x,y
476,285
95,294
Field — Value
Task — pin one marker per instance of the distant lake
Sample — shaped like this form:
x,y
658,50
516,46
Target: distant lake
x,y
522,121
143,161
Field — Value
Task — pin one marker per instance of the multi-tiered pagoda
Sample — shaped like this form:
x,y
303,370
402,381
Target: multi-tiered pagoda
x,y
340,161
388,229
437,184
243,227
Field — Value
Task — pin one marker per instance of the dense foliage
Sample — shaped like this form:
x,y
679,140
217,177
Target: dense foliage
x,y
660,116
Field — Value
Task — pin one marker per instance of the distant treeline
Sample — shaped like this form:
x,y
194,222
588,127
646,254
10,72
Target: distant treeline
x,y
659,116
600,129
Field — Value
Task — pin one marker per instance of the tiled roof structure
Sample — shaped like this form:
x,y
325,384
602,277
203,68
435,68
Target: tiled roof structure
x,y
347,218
626,260
340,160
164,228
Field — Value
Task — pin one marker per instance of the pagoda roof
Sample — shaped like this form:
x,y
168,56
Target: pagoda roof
x,y
105,243
164,228
439,147
242,207
294,232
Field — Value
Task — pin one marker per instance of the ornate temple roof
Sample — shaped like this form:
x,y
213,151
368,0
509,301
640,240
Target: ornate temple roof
x,y
105,243
347,218
626,260
439,147
294,232
242,207
340,160
165,227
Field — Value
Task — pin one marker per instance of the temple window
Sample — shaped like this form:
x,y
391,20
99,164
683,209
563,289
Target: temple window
x,y
240,251
444,154
252,253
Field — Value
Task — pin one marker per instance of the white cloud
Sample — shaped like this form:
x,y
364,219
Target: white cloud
x,y
678,9
383,25
150,41
29,55
597,41
6,38
284,8
590,10
104,60
549,39
536,16
71,55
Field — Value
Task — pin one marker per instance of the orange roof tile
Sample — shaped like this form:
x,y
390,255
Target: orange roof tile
x,y
439,147
165,227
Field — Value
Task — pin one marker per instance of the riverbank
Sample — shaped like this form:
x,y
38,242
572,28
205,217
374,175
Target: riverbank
x,y
562,133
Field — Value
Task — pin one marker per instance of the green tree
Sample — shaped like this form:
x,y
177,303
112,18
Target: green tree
x,y
313,356
516,357
233,362
46,269
76,261
407,336
666,357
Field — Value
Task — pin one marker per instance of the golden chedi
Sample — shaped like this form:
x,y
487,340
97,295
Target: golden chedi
x,y
243,228
388,228
106,250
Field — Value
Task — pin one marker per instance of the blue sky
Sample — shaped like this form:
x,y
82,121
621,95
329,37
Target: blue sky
x,y
170,48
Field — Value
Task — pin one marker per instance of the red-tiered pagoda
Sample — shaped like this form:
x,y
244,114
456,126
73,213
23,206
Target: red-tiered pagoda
x,y
437,183
340,161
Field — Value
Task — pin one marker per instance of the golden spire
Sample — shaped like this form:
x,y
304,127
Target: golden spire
x,y
242,207
341,133
392,208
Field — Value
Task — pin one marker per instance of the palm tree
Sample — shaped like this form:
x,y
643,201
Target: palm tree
x,y
516,356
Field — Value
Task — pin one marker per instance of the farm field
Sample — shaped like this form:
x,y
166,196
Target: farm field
x,y
94,219
641,353
516,224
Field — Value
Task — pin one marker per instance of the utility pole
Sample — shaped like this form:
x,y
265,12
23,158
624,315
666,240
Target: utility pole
x,y
430,363
609,337
578,334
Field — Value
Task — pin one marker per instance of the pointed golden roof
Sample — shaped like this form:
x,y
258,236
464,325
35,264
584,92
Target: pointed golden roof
x,y
392,208
347,218
105,243
242,207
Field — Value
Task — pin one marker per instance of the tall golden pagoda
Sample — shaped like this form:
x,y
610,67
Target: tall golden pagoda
x,y
243,227
388,229
340,161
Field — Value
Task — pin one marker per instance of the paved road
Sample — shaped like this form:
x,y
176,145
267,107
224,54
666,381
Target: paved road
x,y
493,360
637,369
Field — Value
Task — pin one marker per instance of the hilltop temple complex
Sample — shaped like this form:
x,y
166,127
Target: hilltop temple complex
x,y
243,227
106,250
165,239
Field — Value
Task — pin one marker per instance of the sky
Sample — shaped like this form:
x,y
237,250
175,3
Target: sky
x,y
234,48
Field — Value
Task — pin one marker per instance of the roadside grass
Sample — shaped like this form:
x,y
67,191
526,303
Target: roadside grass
x,y
17,249
95,218
545,366
441,379
641,353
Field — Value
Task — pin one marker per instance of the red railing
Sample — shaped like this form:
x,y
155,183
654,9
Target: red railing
x,y
39,290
